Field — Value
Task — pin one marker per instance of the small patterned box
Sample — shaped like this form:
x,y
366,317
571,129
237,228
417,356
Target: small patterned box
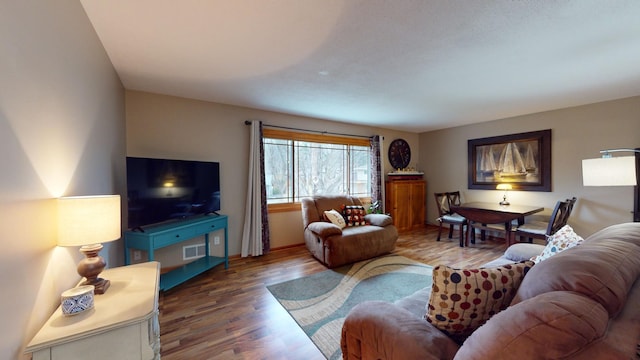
x,y
77,300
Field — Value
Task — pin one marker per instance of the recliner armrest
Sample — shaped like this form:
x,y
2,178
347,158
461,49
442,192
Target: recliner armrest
x,y
324,229
381,220
381,330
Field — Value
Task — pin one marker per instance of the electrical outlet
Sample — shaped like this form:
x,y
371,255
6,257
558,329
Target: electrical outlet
x,y
216,240
137,255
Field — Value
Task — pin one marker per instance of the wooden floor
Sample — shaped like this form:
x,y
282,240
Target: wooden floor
x,y
229,314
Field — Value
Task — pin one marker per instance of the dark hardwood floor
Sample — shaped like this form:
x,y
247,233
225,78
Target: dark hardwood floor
x,y
230,314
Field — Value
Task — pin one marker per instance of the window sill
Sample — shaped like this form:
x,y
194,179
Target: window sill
x,y
288,207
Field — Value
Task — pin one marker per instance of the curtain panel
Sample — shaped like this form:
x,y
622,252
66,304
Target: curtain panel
x,y
255,233
376,171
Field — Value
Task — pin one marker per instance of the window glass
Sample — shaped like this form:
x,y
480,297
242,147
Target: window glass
x,y
278,176
296,167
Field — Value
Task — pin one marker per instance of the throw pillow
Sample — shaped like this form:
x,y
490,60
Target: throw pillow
x,y
563,239
335,218
464,299
354,215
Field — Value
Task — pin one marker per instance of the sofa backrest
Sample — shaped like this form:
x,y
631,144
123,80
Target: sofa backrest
x,y
565,305
603,268
313,208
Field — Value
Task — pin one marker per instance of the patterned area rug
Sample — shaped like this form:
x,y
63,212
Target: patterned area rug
x,y
320,302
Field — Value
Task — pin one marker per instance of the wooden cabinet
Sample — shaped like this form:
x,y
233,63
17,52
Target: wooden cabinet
x,y
405,201
122,325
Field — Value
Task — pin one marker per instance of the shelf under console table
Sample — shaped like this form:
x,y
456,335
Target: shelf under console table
x,y
158,236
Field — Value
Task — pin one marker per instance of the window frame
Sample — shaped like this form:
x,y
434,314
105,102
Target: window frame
x,y
310,137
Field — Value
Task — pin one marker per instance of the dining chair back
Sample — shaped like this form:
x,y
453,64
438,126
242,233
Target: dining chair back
x,y
541,230
444,201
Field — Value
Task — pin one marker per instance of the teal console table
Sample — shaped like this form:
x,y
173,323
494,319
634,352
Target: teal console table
x,y
158,236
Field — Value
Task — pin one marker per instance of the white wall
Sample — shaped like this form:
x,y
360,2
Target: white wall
x,y
61,133
178,128
577,133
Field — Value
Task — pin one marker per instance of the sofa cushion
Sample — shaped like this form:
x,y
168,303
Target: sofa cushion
x,y
354,215
563,239
553,325
601,270
463,299
335,218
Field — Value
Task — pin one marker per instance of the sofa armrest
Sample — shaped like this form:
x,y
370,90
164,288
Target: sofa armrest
x,y
522,251
381,220
381,330
324,229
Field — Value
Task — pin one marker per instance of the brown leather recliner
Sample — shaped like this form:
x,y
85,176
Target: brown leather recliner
x,y
333,246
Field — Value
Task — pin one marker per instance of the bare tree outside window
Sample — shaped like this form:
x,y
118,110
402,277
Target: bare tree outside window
x,y
278,175
296,169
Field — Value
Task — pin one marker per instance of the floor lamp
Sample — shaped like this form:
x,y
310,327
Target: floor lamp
x,y
615,171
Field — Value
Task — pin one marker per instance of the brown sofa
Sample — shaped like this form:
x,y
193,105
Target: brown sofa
x,y
333,246
582,303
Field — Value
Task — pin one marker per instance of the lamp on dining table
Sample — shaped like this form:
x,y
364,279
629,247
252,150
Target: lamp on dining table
x,y
505,187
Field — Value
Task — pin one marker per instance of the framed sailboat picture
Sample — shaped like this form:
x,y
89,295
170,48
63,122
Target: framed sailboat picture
x,y
522,160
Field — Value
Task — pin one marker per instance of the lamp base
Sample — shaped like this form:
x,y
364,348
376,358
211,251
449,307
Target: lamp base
x,y
504,202
101,285
91,266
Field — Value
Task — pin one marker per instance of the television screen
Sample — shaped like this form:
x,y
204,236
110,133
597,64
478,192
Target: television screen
x,y
159,190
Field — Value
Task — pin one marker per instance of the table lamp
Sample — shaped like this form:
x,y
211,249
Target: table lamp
x,y
88,221
614,171
505,187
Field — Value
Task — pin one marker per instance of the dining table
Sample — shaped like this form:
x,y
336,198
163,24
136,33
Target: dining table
x,y
494,213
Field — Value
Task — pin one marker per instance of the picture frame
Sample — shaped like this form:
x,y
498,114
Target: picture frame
x,y
522,160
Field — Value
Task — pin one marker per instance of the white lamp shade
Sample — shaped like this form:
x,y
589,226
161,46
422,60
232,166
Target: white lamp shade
x,y
504,187
86,220
614,171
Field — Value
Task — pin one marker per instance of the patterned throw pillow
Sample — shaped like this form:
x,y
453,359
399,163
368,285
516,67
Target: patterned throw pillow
x,y
464,299
563,239
354,215
335,218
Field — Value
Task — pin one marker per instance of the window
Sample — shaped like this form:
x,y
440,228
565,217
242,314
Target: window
x,y
299,165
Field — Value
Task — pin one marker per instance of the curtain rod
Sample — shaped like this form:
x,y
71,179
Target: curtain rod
x,y
247,122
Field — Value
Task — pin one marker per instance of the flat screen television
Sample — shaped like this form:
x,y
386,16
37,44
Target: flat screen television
x,y
160,190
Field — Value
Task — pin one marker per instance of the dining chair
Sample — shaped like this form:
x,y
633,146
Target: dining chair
x,y
497,230
542,229
444,201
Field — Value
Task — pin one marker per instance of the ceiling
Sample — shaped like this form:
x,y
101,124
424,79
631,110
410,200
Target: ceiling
x,y
411,65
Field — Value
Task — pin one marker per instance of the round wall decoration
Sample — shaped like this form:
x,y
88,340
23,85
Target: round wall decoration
x,y
399,154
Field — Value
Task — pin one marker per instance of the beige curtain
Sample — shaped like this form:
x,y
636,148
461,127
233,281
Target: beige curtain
x,y
255,233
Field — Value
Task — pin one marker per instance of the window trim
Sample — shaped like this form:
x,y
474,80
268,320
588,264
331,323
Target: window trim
x,y
321,138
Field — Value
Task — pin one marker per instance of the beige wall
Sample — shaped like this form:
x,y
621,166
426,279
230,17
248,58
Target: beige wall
x,y
165,126
577,133
61,133
178,128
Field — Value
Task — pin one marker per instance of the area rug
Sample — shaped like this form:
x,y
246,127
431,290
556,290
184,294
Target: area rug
x,y
320,302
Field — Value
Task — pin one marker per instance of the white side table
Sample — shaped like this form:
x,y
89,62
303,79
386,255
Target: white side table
x,y
122,325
